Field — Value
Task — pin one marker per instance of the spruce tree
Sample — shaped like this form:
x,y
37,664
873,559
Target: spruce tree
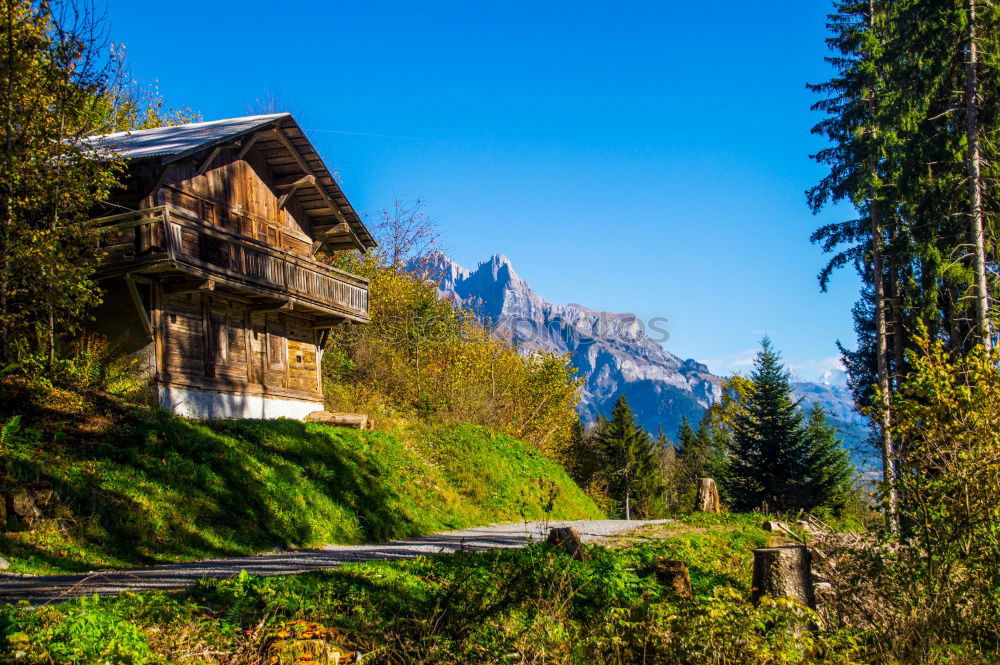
x,y
702,451
828,472
634,478
687,440
769,454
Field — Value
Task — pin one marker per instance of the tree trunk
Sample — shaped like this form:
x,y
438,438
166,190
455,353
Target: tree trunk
x,y
895,297
882,368
707,498
881,332
975,180
4,281
783,572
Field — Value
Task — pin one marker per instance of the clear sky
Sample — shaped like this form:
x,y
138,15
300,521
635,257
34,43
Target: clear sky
x,y
634,156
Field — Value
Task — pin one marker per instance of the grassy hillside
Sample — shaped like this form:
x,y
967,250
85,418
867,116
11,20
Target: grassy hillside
x,y
141,486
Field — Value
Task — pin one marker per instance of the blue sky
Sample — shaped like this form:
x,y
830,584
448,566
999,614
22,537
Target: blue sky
x,y
638,156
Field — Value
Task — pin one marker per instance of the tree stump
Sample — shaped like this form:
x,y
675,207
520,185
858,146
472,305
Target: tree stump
x,y
675,575
568,539
783,572
707,499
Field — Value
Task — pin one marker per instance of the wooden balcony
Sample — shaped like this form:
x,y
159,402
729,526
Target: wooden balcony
x,y
171,240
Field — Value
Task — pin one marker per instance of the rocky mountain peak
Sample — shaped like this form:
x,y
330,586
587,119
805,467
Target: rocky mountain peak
x,y
612,351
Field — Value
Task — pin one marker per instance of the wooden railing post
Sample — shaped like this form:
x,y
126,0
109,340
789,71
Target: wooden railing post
x,y
168,232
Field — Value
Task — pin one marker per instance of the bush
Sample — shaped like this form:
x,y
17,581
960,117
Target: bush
x,y
86,631
419,356
932,592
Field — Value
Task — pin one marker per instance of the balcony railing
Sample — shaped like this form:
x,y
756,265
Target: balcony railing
x,y
169,235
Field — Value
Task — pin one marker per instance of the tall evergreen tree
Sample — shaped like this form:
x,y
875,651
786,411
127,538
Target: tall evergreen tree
x,y
634,478
770,453
828,469
913,121
858,128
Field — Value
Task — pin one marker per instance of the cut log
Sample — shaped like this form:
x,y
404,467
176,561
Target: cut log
x,y
808,527
568,539
783,572
777,527
707,499
675,575
355,420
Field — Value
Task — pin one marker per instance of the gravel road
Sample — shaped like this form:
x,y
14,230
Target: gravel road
x,y
38,589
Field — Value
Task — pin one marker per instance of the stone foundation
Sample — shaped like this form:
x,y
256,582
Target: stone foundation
x,y
210,405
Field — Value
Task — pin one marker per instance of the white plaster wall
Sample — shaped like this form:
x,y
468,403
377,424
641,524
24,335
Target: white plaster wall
x,y
208,405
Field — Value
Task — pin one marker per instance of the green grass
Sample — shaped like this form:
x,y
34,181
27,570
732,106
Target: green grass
x,y
526,606
141,486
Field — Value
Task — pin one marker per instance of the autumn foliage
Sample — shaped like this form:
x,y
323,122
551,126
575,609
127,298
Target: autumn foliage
x,y
421,357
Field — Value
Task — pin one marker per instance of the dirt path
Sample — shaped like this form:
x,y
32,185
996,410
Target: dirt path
x,y
39,589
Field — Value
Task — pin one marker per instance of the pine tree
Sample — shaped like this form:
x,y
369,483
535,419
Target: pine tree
x,y
584,459
633,470
913,120
861,133
702,451
688,449
769,454
828,469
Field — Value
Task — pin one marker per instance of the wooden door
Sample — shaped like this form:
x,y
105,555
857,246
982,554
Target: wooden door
x,y
276,369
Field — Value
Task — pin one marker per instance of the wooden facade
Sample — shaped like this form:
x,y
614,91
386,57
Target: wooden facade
x,y
213,274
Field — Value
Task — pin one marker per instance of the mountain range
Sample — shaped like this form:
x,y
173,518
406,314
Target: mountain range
x,y
613,352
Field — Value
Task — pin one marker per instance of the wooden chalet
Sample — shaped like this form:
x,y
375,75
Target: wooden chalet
x,y
210,272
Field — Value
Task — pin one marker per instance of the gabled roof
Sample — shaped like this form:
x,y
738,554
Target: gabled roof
x,y
286,149
178,141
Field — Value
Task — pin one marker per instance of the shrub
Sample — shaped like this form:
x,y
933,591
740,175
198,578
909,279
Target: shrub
x,y
931,593
419,356
83,632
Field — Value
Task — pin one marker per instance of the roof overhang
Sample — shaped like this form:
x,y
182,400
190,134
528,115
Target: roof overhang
x,y
284,146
